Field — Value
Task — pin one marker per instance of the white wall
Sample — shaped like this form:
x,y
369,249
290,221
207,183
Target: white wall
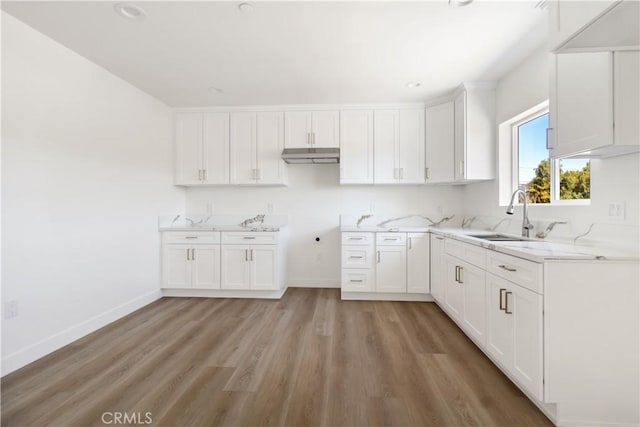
x,y
87,166
612,180
314,200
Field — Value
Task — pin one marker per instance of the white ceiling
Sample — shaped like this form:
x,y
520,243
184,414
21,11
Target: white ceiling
x,y
295,52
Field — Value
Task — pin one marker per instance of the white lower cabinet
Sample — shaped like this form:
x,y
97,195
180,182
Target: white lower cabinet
x,y
514,331
452,287
418,263
391,269
436,268
189,264
472,279
357,280
250,267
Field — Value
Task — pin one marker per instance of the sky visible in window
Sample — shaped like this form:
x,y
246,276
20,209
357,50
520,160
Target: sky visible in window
x,y
532,149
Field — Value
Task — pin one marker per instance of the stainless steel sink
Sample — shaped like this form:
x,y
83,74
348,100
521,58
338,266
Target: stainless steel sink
x,y
499,238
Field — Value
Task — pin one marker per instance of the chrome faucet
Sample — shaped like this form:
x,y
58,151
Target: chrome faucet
x,y
526,224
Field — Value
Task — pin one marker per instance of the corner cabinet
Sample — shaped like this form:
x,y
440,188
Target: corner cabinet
x,y
474,132
257,141
385,265
356,147
202,148
594,104
399,146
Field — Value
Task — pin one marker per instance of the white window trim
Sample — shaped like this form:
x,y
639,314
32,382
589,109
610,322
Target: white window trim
x,y
511,126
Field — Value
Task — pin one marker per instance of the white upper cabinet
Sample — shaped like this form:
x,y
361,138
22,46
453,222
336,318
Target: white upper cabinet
x,y
256,148
399,146
579,26
356,147
594,104
312,129
202,148
439,143
474,132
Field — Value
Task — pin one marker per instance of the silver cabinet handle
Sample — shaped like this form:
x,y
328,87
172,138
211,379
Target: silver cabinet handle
x,y
458,273
401,173
410,242
391,239
251,259
355,257
502,291
204,175
426,173
504,267
246,254
439,238
248,238
506,302
460,276
309,138
313,138
199,174
378,257
193,254
188,254
355,281
190,237
356,238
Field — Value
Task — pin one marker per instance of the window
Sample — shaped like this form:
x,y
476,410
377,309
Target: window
x,y
546,180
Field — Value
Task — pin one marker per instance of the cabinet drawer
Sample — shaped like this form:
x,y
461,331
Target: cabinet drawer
x,y
525,273
197,237
472,254
358,238
357,280
391,239
250,238
357,257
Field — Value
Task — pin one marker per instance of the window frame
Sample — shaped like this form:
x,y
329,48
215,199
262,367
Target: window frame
x,y
554,164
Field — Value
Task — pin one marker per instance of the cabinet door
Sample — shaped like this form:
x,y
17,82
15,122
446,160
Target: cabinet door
x,y
176,266
411,151
473,300
264,267
391,269
526,309
243,148
566,18
325,126
439,143
436,268
460,135
206,267
626,90
270,143
452,288
216,148
236,267
188,140
418,263
356,147
297,129
499,324
386,134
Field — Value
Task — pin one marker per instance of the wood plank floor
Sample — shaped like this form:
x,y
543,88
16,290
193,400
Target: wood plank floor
x,y
307,359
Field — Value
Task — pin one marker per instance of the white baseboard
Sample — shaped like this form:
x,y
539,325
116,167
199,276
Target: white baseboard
x,y
375,296
43,347
223,293
314,283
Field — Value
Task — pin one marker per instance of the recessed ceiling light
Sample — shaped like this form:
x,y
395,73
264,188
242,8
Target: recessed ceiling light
x,y
412,85
214,89
129,11
245,7
459,3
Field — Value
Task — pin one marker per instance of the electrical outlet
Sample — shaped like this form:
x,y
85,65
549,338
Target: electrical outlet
x,y
617,211
11,309
269,207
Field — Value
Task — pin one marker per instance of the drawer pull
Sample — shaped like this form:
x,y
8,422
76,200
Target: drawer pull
x,y
394,239
355,238
458,273
248,238
502,291
378,257
355,281
506,303
356,257
190,237
504,267
439,238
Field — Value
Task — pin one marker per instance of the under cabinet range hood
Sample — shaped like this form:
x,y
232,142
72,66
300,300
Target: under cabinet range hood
x,y
311,155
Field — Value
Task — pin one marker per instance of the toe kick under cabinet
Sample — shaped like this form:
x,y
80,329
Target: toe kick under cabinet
x,y
393,266
565,331
224,264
